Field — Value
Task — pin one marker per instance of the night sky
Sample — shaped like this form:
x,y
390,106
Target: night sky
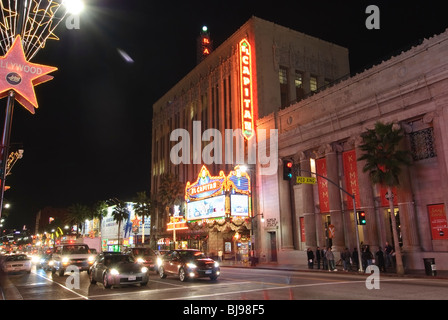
x,y
90,139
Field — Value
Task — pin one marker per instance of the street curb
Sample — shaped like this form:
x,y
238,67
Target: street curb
x,y
9,291
387,274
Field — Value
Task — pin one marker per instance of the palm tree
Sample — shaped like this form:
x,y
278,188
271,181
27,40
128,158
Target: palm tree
x,y
170,189
384,160
120,213
99,211
142,208
77,214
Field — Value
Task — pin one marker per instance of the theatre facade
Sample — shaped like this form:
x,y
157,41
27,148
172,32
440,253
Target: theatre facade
x,y
247,77
322,134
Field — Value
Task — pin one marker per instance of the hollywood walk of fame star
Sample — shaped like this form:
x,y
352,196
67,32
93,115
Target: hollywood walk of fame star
x,y
20,75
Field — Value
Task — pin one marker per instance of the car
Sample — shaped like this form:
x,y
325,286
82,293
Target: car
x,y
16,263
46,261
115,268
188,264
72,254
145,256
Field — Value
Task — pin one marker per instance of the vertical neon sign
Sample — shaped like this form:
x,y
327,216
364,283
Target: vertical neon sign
x,y
246,89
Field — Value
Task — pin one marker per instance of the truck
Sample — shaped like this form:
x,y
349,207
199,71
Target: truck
x,y
76,255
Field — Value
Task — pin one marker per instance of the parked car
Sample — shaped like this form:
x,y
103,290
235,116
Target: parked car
x,y
115,268
188,264
145,256
17,263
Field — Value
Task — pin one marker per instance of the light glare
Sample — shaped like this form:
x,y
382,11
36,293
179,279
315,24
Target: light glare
x,y
74,6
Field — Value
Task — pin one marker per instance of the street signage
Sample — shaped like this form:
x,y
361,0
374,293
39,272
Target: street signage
x,y
306,180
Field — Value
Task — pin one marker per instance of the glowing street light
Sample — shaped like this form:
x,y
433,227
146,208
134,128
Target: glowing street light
x,y
74,6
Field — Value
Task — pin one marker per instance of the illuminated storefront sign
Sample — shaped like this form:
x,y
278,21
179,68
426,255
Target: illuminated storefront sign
x,y
206,198
176,223
213,207
206,186
246,89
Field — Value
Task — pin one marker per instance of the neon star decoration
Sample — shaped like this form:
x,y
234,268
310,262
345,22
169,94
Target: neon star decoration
x,y
20,75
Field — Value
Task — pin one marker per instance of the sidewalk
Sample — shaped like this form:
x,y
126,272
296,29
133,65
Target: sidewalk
x,y
9,292
441,274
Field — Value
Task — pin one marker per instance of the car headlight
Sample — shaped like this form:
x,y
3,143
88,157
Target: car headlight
x,y
191,265
91,259
51,262
114,272
216,264
159,262
65,260
144,270
35,259
140,260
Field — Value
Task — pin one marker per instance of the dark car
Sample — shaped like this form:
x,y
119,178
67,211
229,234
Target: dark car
x,y
145,256
188,264
114,268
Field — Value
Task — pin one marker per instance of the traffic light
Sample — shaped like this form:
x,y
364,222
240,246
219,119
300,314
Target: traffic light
x,y
361,218
287,169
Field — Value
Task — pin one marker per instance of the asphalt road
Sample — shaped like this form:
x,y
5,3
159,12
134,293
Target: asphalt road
x,y
237,284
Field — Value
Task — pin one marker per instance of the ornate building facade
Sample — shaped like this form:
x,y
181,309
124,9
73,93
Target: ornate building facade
x,y
322,134
260,69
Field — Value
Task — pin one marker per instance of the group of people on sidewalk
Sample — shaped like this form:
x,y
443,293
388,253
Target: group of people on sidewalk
x,y
383,258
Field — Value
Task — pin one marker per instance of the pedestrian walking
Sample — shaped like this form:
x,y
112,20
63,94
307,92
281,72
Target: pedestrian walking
x,y
330,258
310,256
324,259
388,251
346,257
380,260
355,258
318,257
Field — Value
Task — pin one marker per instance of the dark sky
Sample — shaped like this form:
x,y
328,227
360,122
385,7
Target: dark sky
x,y
90,139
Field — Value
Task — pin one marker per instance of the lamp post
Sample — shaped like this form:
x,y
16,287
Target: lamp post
x,y
31,22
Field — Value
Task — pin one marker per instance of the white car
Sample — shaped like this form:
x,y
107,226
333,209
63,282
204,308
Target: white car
x,y
76,255
16,263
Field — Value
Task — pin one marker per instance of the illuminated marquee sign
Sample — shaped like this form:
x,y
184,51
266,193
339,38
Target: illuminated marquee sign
x,y
206,186
246,89
20,75
176,223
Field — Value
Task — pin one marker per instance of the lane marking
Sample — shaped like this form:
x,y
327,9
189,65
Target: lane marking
x,y
61,285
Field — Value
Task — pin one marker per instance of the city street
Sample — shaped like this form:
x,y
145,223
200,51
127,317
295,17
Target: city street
x,y
236,284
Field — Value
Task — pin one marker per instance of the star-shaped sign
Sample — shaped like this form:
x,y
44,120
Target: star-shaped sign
x,y
20,75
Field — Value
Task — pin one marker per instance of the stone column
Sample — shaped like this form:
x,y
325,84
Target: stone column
x,y
408,222
366,196
308,203
334,194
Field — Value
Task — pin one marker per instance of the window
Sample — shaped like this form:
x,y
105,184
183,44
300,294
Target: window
x,y
422,144
298,83
313,84
283,75
283,79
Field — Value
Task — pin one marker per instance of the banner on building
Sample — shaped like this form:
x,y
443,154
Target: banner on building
x,y
351,178
324,201
438,221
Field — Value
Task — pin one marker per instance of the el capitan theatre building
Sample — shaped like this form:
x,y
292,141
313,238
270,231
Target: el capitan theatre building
x,y
261,68
322,134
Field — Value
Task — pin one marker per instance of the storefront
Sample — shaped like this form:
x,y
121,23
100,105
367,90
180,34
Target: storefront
x,y
220,207
132,231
